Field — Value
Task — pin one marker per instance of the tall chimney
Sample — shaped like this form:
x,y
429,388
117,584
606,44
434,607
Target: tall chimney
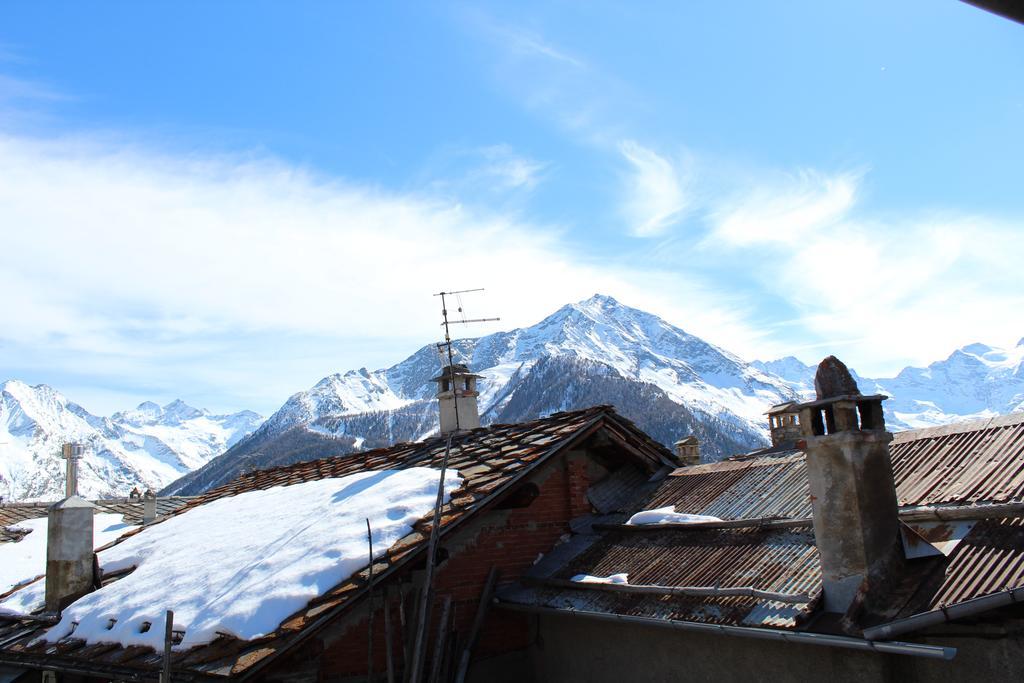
x,y
148,507
69,552
853,494
688,451
456,398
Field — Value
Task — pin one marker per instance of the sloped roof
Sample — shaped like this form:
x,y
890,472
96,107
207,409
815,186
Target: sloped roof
x,y
131,511
766,540
782,561
491,460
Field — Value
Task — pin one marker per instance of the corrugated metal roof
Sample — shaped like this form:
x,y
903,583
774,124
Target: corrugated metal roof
x,y
988,560
773,486
975,462
780,561
981,461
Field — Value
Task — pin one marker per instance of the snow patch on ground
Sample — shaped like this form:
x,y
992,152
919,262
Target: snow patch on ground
x,y
668,515
222,572
25,560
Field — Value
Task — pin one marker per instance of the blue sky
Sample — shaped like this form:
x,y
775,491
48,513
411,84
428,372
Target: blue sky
x,y
227,201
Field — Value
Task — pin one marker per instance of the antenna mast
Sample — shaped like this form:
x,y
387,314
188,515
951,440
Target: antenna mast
x,y
426,593
447,343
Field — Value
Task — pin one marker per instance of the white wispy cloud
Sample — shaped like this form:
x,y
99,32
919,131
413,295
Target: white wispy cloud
x,y
785,211
882,291
146,266
654,194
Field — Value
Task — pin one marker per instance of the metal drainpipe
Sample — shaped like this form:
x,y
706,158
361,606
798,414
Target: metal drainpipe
x,y
944,614
889,647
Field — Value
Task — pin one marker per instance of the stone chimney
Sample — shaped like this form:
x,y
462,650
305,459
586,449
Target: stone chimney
x,y
149,507
688,451
853,494
69,552
783,424
456,398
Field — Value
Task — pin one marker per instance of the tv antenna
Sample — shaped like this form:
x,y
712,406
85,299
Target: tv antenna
x,y
447,343
425,602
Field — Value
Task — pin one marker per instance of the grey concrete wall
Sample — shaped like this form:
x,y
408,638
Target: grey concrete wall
x,y
571,649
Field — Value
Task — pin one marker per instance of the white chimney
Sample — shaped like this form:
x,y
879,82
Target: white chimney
x,y
456,398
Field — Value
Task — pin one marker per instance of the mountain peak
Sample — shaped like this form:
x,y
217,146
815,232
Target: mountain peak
x,y
977,349
600,300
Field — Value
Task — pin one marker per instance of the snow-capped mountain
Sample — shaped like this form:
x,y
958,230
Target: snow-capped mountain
x,y
148,447
595,351
974,381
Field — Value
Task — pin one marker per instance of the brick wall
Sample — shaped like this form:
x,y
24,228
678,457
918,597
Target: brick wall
x,y
509,539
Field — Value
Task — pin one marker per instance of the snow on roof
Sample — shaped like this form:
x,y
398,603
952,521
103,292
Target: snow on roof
x,y
241,565
619,579
25,560
668,515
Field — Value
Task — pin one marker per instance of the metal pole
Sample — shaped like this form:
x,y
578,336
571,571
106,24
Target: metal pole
x,y
165,674
423,623
369,600
451,362
388,648
442,635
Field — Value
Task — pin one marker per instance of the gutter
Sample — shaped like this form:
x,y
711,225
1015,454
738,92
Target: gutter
x,y
804,637
944,614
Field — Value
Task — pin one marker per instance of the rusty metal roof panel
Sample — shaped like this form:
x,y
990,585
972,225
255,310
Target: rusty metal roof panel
x,y
988,560
981,461
975,462
767,487
781,561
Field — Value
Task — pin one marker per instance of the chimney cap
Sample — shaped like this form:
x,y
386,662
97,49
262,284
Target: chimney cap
x,y
72,502
690,440
457,370
833,379
787,407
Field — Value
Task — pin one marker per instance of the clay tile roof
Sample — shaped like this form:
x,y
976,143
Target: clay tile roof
x,y
491,460
130,510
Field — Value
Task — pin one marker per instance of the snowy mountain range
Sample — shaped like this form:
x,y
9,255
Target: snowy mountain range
x,y
594,351
669,382
974,381
148,447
